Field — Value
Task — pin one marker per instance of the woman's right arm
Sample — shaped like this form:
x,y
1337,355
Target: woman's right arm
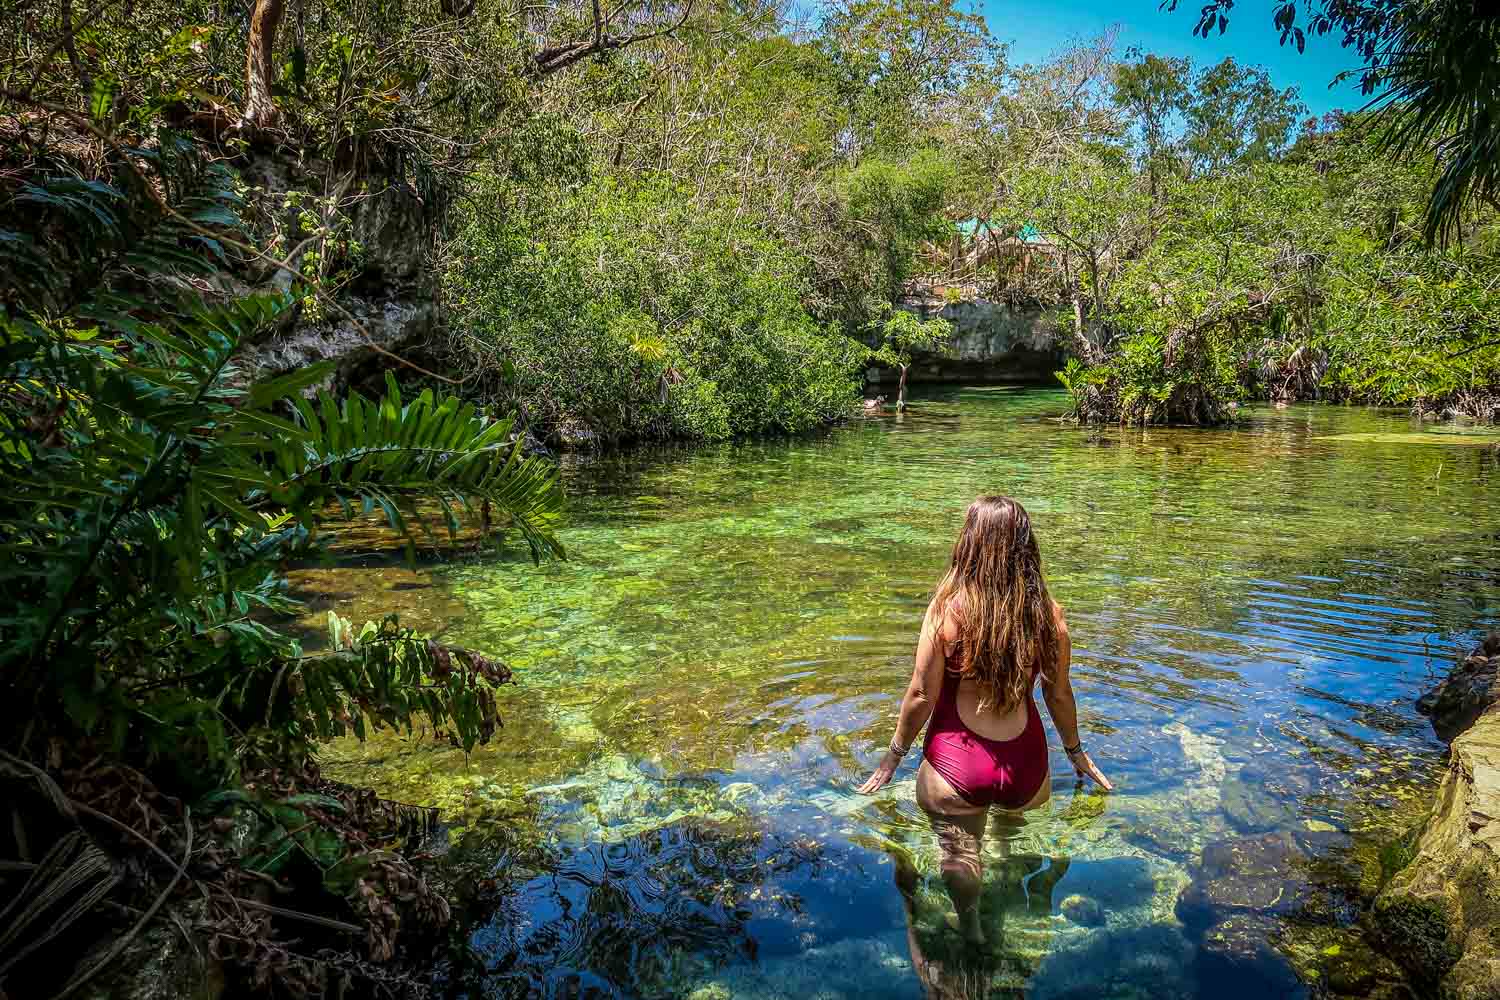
x,y
916,705
1057,692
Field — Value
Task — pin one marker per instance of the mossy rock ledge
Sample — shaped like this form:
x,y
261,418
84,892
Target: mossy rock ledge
x,y
1440,915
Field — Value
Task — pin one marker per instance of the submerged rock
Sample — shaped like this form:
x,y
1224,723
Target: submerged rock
x,y
1242,950
743,794
1082,910
1251,808
1245,876
1149,962
1342,962
1440,915
1203,903
1268,854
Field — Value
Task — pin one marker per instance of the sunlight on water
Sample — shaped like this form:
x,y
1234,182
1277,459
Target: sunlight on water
x,y
669,809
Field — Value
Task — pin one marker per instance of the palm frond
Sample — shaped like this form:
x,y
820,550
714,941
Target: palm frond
x,y
388,455
1438,65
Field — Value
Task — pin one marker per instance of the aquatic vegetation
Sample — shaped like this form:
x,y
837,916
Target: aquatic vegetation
x,y
720,662
1442,436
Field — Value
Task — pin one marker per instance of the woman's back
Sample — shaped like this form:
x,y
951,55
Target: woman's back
x,y
991,630
993,723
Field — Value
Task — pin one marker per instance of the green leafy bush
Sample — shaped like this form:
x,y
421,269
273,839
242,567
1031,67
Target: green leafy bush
x,y
886,211
632,313
1298,280
1414,326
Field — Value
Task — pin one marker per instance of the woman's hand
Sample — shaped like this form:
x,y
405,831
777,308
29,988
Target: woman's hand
x,y
882,776
1086,768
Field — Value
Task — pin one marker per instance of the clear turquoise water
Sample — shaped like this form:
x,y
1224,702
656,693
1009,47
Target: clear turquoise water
x,y
669,810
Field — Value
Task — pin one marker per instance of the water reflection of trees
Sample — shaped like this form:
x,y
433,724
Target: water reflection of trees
x,y
641,916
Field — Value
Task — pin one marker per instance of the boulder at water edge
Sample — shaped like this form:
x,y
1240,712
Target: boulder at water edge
x,y
1440,915
1466,693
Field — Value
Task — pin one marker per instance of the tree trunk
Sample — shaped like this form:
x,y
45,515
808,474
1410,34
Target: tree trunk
x,y
260,109
901,390
84,81
1083,341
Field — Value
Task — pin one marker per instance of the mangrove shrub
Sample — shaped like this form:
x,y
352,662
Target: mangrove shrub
x,y
630,311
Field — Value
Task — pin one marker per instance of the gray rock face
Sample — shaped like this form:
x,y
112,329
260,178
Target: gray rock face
x,y
158,964
389,301
1465,694
1439,917
992,342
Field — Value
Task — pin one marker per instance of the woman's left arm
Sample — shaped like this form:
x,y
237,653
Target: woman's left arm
x,y
916,705
1057,692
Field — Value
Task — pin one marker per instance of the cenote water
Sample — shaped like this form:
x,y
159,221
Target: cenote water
x,y
669,810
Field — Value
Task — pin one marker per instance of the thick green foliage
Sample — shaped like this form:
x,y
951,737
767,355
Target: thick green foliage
x,y
1431,71
1415,327
1236,259
888,210
1294,281
153,491
632,312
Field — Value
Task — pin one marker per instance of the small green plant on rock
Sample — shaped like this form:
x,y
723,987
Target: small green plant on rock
x,y
901,335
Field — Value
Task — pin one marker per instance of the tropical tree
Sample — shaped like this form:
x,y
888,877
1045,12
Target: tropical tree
x,y
1154,90
1064,108
1235,115
901,334
886,211
891,61
1430,68
1093,214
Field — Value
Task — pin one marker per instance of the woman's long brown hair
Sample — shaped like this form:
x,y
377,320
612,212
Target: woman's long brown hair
x,y
1007,625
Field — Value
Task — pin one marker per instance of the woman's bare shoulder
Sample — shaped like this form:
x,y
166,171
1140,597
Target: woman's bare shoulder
x,y
954,612
946,615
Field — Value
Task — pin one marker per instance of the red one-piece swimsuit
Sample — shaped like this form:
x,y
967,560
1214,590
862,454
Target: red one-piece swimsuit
x,y
1004,773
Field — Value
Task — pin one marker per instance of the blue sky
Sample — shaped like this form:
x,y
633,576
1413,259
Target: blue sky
x,y
1037,29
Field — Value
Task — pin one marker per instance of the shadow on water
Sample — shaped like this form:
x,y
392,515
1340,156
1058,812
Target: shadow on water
x,y
669,809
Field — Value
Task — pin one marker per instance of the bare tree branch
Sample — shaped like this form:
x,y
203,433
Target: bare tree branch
x,y
555,58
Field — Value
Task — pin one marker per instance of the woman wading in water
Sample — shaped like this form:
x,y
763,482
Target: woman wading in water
x,y
991,631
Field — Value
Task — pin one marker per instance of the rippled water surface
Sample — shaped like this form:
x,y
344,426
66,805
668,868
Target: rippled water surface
x,y
669,810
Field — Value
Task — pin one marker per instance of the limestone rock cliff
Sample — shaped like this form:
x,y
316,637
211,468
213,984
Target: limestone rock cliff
x,y
387,282
991,342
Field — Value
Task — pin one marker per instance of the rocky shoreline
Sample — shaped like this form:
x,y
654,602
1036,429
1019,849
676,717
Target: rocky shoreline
x,y
1291,909
1439,916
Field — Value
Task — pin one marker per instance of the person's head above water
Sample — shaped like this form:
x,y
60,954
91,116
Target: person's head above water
x,y
994,591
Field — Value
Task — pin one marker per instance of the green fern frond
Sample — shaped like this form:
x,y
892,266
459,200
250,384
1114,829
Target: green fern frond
x,y
150,492
387,455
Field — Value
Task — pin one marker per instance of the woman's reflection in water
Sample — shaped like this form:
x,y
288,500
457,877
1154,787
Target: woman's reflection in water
x,y
951,966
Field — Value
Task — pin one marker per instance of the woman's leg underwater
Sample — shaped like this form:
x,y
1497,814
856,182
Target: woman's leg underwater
x,y
960,830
